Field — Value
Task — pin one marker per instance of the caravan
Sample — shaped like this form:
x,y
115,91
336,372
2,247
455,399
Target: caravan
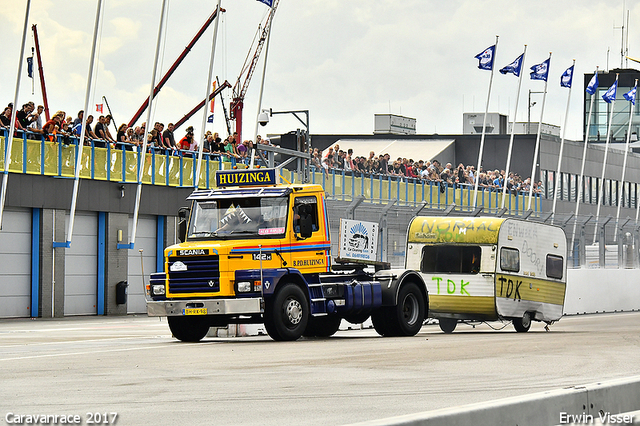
x,y
489,268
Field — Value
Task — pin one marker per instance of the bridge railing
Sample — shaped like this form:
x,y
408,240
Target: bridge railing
x,y
35,154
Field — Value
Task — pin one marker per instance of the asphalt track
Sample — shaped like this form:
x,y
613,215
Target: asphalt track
x,y
131,366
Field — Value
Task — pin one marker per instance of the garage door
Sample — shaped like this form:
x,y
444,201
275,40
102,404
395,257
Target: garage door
x,y
15,264
145,240
81,266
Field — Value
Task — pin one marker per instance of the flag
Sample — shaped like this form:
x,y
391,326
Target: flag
x,y
267,2
30,66
99,108
210,119
610,95
631,95
540,71
593,84
514,67
567,77
486,58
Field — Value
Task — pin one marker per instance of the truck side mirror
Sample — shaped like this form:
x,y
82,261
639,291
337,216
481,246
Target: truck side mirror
x,y
306,220
183,213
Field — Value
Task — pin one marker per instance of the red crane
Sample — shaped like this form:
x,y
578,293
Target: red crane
x,y
249,67
175,65
41,72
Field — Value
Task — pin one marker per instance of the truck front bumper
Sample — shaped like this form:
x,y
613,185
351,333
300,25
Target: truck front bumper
x,y
166,308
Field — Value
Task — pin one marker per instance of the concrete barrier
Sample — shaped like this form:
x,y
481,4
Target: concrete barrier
x,y
578,404
602,290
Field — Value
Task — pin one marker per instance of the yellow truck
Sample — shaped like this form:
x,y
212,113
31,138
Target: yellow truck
x,y
489,268
257,251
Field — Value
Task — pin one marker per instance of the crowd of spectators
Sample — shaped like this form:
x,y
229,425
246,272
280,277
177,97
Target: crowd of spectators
x,y
67,130
336,159
63,128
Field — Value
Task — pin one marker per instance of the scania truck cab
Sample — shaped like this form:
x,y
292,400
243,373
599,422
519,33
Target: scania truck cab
x,y
256,251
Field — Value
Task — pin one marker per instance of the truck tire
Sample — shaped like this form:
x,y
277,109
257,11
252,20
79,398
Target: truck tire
x,y
447,324
380,319
287,314
188,329
522,325
323,326
406,317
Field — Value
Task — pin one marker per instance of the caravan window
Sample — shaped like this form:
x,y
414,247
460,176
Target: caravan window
x,y
555,266
509,259
451,259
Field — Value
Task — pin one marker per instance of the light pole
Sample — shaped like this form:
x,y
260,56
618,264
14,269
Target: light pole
x,y
263,119
529,105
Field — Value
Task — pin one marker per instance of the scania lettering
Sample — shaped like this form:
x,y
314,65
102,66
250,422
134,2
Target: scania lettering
x,y
259,252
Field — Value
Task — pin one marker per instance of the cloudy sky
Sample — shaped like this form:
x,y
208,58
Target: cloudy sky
x,y
343,60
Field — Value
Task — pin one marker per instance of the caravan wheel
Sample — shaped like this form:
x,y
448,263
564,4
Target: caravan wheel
x,y
522,325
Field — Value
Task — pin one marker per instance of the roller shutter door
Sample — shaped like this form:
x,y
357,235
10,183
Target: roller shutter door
x,y
145,240
81,266
15,264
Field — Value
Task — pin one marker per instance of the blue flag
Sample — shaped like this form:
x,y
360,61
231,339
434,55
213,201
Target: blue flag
x,y
267,2
514,67
540,71
210,119
593,84
486,58
631,95
610,95
30,66
567,77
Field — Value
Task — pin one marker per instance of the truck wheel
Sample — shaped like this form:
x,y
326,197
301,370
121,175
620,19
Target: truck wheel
x,y
522,325
188,329
380,320
286,317
323,326
407,316
447,324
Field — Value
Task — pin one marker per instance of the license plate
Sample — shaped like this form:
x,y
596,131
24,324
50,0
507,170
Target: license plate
x,y
194,311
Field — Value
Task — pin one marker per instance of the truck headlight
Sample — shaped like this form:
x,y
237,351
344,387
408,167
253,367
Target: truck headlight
x,y
157,290
244,286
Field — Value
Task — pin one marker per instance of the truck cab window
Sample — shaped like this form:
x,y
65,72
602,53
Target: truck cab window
x,y
509,259
451,259
555,266
305,206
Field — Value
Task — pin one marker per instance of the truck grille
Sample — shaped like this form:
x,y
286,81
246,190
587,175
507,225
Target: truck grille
x,y
202,275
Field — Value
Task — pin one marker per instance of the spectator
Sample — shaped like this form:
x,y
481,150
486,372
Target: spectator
x,y
107,133
36,125
168,139
122,133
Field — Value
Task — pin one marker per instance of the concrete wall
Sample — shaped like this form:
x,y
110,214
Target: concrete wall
x,y
602,290
543,409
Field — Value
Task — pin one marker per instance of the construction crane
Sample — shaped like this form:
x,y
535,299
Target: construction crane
x,y
249,67
41,72
175,65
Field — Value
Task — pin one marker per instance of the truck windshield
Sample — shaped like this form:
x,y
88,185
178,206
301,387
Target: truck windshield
x,y
250,217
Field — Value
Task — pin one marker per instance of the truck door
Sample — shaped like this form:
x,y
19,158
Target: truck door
x,y
310,254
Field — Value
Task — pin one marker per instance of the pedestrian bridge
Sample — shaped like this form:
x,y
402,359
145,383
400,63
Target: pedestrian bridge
x,y
120,163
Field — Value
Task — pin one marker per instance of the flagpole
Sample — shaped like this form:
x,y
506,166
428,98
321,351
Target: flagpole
x,y
204,110
556,188
76,182
604,167
624,162
537,149
484,124
143,154
12,127
513,128
584,161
